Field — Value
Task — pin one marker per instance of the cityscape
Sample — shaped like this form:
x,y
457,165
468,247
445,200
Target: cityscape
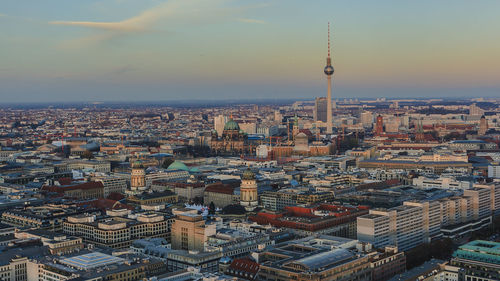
x,y
116,164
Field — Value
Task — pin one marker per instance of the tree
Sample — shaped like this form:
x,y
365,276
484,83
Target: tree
x,y
211,208
88,154
234,209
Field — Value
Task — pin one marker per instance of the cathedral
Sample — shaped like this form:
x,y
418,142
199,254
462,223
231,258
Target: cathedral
x,y
232,142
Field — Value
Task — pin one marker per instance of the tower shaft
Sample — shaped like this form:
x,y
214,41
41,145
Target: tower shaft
x,y
329,105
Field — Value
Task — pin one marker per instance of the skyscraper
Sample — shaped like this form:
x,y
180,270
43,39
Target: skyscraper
x,y
329,72
320,109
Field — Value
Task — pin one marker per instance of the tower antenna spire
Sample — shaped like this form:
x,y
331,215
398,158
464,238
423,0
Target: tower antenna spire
x,y
328,39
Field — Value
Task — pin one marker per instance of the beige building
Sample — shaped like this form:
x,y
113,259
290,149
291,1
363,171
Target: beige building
x,y
112,184
221,194
414,223
190,233
118,232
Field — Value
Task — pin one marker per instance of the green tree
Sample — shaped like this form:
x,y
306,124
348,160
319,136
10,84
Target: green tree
x,y
87,154
211,208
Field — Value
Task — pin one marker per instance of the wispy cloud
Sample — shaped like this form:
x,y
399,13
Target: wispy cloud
x,y
172,11
118,26
251,21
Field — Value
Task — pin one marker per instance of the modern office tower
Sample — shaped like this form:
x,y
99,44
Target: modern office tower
x,y
329,73
379,126
475,110
478,261
219,122
189,232
248,190
367,119
320,109
483,126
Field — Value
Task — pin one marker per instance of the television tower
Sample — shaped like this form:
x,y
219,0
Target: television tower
x,y
329,72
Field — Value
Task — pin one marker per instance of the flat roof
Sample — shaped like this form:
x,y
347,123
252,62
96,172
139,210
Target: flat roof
x,y
91,260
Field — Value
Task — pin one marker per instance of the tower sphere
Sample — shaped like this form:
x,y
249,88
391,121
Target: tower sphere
x,y
328,70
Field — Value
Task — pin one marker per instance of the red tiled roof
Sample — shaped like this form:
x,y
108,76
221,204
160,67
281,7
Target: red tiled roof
x,y
106,204
115,196
220,188
65,181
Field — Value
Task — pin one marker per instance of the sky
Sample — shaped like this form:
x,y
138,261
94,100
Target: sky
x,y
160,50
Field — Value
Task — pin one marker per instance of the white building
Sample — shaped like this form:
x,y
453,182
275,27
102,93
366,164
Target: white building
x,y
441,182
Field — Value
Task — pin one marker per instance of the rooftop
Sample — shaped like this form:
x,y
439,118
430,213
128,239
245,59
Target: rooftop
x,y
91,260
479,250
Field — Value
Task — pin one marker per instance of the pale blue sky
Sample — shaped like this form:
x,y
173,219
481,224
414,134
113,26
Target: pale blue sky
x,y
120,50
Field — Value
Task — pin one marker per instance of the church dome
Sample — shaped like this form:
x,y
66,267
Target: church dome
x,y
248,175
178,165
231,125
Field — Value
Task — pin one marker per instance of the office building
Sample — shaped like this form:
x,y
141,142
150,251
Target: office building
x,y
320,109
190,233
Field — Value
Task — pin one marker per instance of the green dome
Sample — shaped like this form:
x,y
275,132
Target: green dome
x,y
178,165
231,125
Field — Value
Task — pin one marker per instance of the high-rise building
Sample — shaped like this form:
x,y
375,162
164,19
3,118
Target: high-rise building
x,y
475,110
481,201
494,189
367,119
219,122
414,223
329,73
189,232
320,109
248,190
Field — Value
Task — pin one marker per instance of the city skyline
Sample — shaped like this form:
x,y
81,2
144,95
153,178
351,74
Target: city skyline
x,y
195,50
